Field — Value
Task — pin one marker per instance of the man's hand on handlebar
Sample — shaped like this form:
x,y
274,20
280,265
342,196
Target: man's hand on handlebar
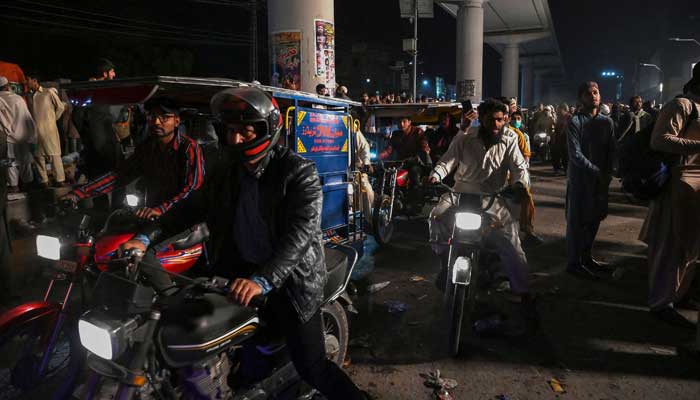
x,y
243,290
433,180
148,213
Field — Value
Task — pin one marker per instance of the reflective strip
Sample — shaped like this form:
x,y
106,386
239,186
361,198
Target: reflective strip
x,y
213,342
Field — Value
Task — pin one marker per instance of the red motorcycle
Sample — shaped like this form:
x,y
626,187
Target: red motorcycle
x,y
396,194
38,340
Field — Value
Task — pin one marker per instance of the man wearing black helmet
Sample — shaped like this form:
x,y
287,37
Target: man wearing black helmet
x,y
263,209
169,163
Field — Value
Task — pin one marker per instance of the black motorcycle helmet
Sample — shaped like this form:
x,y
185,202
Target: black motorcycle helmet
x,y
250,106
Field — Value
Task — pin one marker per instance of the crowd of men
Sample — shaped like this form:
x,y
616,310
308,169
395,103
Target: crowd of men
x,y
583,141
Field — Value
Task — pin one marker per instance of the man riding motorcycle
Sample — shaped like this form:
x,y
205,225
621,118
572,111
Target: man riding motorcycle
x,y
263,209
482,158
169,164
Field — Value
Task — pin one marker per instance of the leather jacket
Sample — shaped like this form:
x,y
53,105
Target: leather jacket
x,y
290,204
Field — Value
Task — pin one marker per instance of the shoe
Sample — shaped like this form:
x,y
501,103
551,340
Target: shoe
x,y
669,315
43,185
532,240
582,271
13,189
596,265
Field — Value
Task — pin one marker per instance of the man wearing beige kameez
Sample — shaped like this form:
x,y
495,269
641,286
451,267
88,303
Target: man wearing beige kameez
x,y
672,226
46,109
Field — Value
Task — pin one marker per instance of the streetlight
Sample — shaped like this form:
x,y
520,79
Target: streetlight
x,y
368,80
677,39
661,81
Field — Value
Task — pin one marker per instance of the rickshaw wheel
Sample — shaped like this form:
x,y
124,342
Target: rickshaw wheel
x,y
382,225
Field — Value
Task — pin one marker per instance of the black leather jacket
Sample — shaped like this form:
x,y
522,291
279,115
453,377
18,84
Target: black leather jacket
x,y
290,203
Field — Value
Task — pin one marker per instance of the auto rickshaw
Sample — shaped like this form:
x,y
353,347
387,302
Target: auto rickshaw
x,y
394,194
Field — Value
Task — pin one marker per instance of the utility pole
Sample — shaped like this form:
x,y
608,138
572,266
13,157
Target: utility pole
x,y
415,51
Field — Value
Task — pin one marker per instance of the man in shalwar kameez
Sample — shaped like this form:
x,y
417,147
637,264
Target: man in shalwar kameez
x,y
672,226
591,145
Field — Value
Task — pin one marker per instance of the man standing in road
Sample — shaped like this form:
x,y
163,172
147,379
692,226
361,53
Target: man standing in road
x,y
21,134
636,120
560,158
591,146
47,108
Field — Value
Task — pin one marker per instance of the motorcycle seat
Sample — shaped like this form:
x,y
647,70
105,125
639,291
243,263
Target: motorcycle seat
x,y
195,235
336,269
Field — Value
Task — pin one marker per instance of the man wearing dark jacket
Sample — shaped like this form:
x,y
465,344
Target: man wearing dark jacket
x,y
263,208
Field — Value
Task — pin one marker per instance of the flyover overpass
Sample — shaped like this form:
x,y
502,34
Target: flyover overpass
x,y
523,33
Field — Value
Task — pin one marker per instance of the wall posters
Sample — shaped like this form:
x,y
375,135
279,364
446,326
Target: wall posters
x,y
286,59
325,51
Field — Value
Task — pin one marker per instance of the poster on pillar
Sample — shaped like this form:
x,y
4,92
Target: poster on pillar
x,y
286,59
466,89
325,52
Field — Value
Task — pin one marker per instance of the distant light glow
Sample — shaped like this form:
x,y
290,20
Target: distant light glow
x,y
368,80
425,82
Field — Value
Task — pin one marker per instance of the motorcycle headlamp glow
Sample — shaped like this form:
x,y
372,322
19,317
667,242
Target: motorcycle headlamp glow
x,y
467,221
132,200
541,135
106,338
48,247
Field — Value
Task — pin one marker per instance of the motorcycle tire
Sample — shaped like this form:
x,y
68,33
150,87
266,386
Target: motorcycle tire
x,y
456,316
17,375
334,323
382,226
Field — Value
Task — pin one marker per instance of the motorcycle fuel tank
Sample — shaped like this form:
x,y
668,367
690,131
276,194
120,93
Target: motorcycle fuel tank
x,y
172,260
197,328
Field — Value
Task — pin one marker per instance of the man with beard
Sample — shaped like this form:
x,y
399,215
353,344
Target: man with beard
x,y
591,146
636,120
169,163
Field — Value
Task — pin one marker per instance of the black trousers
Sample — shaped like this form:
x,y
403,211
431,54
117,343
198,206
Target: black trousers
x,y
6,280
306,346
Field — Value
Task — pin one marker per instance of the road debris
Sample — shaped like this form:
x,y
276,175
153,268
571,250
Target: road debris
x,y
441,386
417,278
422,297
663,350
414,323
488,325
378,286
503,287
395,306
557,387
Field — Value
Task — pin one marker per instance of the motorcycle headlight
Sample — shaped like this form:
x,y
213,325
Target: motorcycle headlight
x,y
48,247
468,221
104,337
132,200
541,135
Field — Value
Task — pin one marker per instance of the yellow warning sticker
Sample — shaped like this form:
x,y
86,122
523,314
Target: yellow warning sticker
x,y
345,121
345,147
300,146
300,117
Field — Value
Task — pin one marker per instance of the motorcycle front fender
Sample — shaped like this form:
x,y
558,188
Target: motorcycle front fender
x,y
28,313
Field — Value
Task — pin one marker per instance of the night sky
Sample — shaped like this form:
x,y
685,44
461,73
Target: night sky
x,y
167,37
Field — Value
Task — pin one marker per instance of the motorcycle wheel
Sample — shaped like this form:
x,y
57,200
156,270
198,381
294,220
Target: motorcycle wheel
x,y
382,225
456,316
334,323
22,352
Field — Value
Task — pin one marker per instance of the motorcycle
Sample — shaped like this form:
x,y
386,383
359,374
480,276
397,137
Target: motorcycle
x,y
466,261
194,343
38,338
395,194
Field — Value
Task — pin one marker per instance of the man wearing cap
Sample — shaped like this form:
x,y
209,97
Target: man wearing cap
x,y
591,146
21,134
169,163
672,226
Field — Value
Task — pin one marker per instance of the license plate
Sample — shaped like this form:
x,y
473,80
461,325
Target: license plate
x,y
66,266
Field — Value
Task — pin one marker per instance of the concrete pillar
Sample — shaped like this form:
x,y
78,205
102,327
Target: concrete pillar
x,y
527,84
300,16
470,50
510,69
539,89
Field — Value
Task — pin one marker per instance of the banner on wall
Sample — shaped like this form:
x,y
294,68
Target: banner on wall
x,y
286,59
325,51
